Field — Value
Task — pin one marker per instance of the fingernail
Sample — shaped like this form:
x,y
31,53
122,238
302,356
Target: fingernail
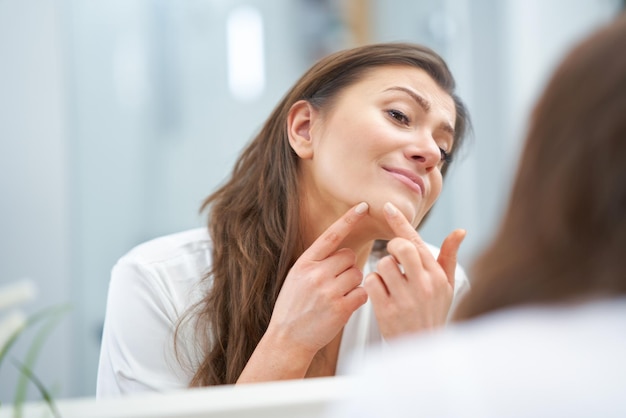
x,y
361,208
390,209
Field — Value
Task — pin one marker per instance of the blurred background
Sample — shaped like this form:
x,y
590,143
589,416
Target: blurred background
x,y
117,117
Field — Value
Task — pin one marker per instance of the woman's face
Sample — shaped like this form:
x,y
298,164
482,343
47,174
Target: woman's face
x,y
383,139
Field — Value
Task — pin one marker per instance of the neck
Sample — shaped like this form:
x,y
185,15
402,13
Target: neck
x,y
314,222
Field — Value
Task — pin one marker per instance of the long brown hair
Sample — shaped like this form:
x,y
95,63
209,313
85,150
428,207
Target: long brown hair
x,y
254,220
563,236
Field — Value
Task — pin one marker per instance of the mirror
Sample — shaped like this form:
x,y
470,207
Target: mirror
x,y
118,117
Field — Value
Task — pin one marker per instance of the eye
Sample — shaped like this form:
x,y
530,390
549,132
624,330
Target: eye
x,y
446,157
398,116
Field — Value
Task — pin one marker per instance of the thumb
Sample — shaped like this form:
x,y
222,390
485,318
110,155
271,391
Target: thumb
x,y
448,253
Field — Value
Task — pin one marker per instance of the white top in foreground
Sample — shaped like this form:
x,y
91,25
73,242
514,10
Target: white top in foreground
x,y
533,362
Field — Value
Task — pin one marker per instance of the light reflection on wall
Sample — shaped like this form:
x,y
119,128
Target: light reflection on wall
x,y
246,64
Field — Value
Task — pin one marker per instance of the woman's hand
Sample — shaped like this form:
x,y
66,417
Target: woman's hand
x,y
320,293
411,291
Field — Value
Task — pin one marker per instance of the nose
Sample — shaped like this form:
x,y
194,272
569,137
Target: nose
x,y
424,152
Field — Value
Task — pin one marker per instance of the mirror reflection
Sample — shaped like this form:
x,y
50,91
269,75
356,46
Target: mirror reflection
x,y
120,117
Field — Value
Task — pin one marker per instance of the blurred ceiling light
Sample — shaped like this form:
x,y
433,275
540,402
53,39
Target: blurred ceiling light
x,y
246,66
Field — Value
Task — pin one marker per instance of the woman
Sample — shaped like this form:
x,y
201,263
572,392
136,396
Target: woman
x,y
543,332
354,153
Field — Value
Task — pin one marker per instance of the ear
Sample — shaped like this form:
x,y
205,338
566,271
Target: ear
x,y
299,123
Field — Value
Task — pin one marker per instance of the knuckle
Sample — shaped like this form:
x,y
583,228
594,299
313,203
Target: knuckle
x,y
393,244
386,263
373,284
404,251
332,237
400,245
369,282
407,251
355,276
360,295
348,254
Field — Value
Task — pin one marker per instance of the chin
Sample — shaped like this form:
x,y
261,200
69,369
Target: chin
x,y
410,213
379,225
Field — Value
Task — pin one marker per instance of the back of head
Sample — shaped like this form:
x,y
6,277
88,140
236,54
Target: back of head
x,y
563,236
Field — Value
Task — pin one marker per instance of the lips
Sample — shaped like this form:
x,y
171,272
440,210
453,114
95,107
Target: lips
x,y
409,178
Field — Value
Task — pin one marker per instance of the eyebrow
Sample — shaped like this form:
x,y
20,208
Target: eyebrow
x,y
424,104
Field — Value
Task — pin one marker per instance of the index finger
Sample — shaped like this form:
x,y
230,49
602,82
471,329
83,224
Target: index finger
x,y
329,241
401,226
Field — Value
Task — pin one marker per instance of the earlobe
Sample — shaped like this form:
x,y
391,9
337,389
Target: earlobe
x,y
299,124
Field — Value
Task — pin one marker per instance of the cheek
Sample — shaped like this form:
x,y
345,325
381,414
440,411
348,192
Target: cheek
x,y
435,191
428,202
336,175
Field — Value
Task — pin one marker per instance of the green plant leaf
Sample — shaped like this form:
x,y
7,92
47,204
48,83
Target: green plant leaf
x,y
40,386
31,321
53,316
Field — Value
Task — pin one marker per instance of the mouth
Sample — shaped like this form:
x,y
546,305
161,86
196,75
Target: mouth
x,y
409,178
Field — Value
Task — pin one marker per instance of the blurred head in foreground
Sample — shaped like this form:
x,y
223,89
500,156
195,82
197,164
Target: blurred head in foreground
x,y
563,236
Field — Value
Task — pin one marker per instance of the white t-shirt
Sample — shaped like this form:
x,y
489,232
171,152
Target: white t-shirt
x,y
152,286
525,362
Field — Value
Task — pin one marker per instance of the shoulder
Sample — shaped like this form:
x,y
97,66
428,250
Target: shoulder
x,y
151,288
170,247
169,266
178,255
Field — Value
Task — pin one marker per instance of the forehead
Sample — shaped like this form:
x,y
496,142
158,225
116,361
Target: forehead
x,y
378,81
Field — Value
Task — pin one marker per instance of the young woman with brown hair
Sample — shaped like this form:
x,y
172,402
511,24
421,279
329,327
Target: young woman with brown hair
x,y
354,153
